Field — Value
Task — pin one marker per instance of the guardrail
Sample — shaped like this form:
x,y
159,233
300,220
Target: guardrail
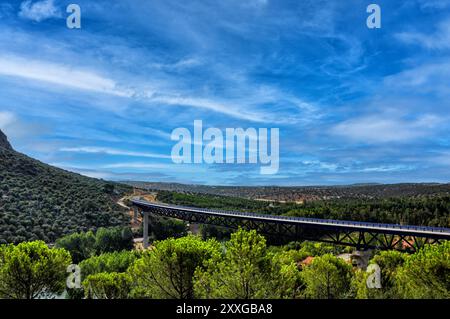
x,y
331,222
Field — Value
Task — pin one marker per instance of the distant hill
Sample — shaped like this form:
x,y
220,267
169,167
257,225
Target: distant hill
x,y
306,193
38,201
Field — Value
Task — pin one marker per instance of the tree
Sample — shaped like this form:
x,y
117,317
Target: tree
x,y
113,239
32,270
80,245
107,286
389,262
426,274
85,245
108,263
327,277
247,271
162,228
167,270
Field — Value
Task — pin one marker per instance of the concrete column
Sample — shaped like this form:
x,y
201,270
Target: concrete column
x,y
145,229
135,215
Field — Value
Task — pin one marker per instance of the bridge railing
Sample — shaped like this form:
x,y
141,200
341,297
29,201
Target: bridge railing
x,y
300,219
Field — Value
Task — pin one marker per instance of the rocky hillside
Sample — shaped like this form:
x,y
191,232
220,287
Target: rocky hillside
x,y
4,141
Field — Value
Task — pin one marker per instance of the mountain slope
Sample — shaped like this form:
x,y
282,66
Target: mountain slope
x,y
4,141
38,201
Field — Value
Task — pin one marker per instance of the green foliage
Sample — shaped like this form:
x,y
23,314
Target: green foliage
x,y
309,248
161,228
80,245
32,270
84,245
217,232
327,277
107,286
166,271
113,239
421,210
247,271
389,262
222,202
425,210
426,274
40,202
109,262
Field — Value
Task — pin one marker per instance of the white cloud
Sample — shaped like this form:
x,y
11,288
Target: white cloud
x,y
88,80
434,4
39,10
6,119
440,39
178,66
111,151
149,167
428,78
378,129
60,75
212,105
140,166
386,168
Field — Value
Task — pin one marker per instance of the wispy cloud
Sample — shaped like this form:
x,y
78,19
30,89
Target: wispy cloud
x,y
39,10
60,75
111,151
382,129
434,4
427,78
440,39
213,105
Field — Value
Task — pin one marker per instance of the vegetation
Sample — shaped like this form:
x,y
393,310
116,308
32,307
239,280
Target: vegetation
x,y
327,277
426,274
167,270
107,286
108,263
247,271
305,193
162,228
389,263
32,270
244,267
422,210
84,245
40,202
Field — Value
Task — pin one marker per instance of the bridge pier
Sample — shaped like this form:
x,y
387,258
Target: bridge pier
x,y
135,215
145,229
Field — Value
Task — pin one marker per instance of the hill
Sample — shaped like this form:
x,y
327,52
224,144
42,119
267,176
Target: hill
x,y
4,141
305,193
38,201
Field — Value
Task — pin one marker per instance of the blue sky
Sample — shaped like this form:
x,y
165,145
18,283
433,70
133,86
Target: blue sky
x,y
353,105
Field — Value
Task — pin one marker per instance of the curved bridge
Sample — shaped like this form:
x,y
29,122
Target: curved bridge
x,y
362,235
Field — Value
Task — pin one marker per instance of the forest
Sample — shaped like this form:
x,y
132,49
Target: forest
x,y
425,210
244,267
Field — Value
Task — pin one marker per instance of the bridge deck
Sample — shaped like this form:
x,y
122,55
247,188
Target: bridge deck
x,y
437,232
